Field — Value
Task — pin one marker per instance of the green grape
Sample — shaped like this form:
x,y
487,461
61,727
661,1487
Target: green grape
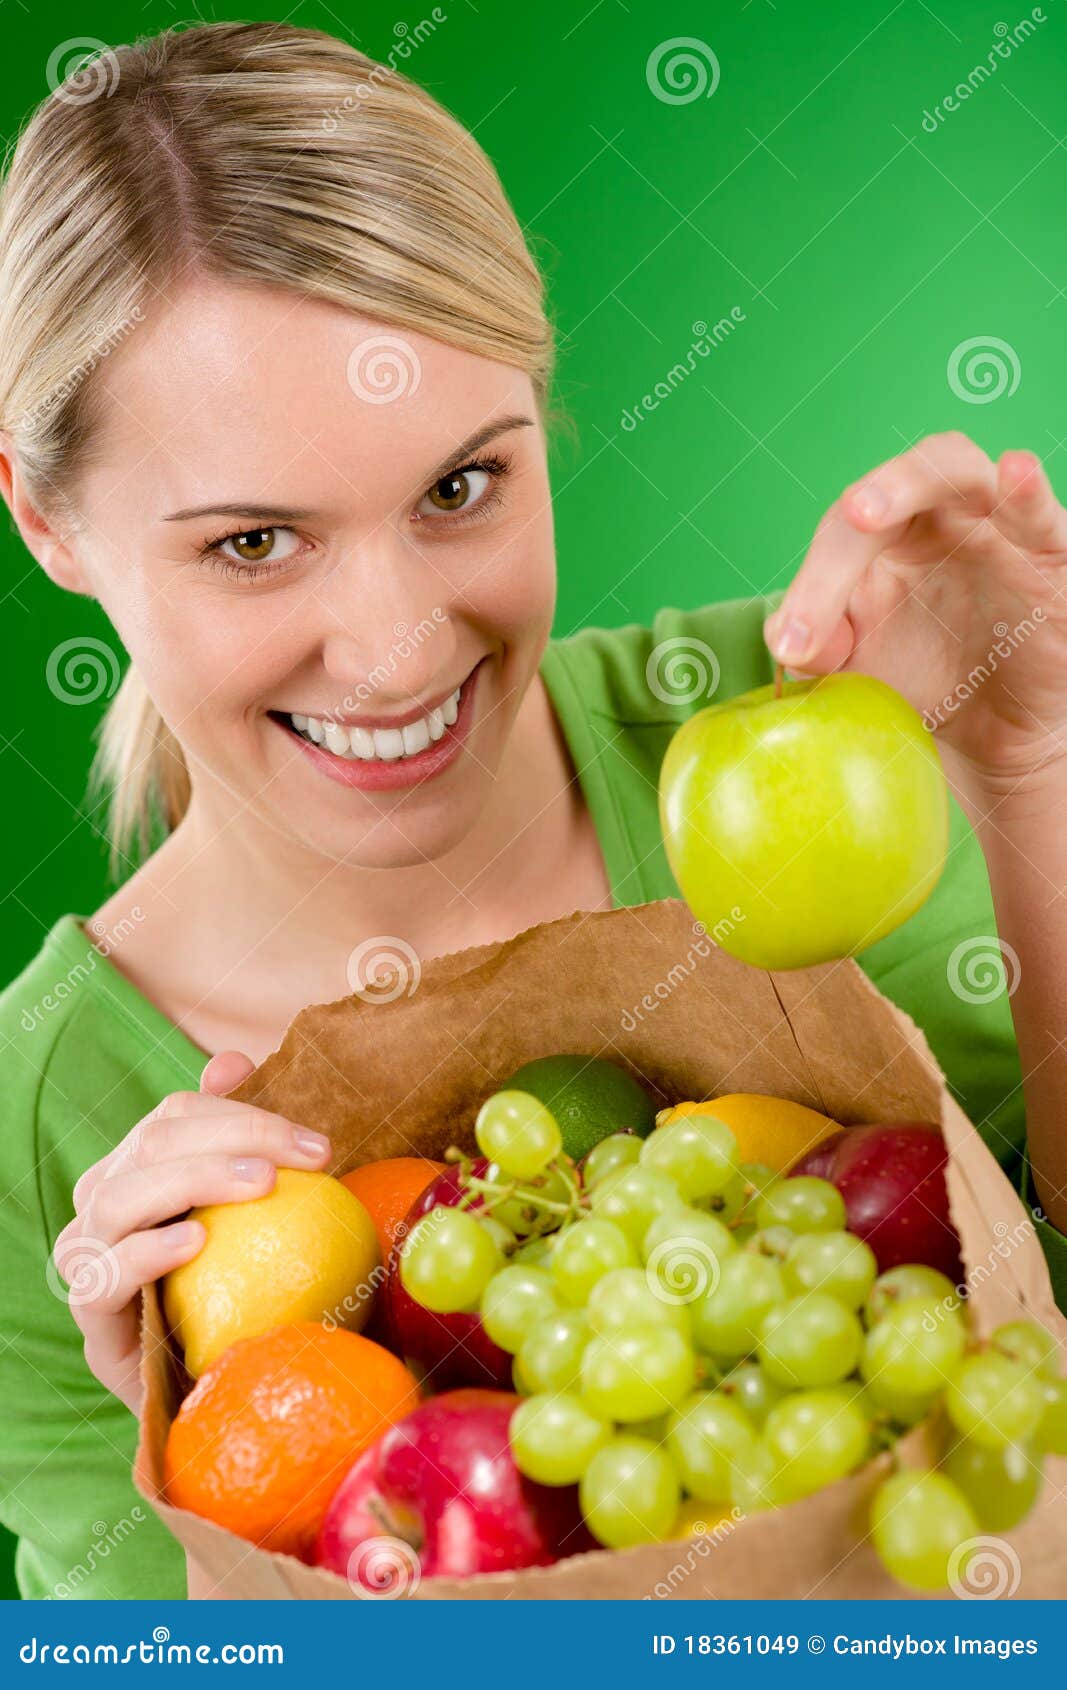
x,y
881,1404
727,1204
913,1349
1051,1433
703,1436
686,1255
754,1479
810,1341
550,1358
554,1438
726,1322
518,1133
752,1390
1001,1485
447,1260
629,1493
994,1400
501,1235
904,1284
585,1251
773,1241
918,1520
709,1373
687,1225
838,1263
816,1437
697,1152
633,1197
525,1215
627,1297
618,1150
637,1374
1030,1345
514,1300
536,1252
804,1204
742,1232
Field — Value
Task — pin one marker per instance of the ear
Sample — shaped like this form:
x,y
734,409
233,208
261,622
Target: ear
x,y
51,549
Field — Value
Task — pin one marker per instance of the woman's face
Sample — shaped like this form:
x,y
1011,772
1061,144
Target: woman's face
x,y
306,526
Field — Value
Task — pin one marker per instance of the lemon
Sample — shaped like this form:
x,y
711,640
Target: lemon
x,y
770,1130
697,1518
589,1096
305,1251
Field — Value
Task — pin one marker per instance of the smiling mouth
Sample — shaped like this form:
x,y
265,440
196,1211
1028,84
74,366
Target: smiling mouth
x,y
376,745
382,757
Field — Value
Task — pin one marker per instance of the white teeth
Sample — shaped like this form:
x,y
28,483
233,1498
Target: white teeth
x,y
388,743
416,736
380,744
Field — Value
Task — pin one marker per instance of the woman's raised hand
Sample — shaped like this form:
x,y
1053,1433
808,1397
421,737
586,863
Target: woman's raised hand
x,y
192,1148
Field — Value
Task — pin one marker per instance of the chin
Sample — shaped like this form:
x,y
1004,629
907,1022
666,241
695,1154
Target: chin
x,y
414,829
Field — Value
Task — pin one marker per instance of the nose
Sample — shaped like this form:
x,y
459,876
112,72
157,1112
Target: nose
x,y
390,636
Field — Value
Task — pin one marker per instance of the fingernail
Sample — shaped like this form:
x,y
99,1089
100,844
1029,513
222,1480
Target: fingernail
x,y
312,1144
791,645
186,1232
872,502
251,1168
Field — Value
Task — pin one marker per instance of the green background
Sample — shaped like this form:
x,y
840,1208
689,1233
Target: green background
x,y
861,249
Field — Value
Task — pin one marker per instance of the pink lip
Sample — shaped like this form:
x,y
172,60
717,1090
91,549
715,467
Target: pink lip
x,y
402,771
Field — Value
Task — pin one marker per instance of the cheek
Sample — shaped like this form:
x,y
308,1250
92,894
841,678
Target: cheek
x,y
511,590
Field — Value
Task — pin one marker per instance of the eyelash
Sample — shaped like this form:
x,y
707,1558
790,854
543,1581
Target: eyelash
x,y
495,464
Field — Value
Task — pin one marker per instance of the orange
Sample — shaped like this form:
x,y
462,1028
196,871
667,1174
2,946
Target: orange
x,y
272,1426
770,1130
387,1190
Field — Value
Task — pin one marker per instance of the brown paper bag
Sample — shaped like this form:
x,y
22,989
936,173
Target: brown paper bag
x,y
646,987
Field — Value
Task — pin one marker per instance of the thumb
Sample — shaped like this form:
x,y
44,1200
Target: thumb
x,y
226,1069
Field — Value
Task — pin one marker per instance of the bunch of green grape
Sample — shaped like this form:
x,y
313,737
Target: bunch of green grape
x,y
690,1330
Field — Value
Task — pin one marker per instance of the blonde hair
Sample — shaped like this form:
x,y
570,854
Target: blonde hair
x,y
166,157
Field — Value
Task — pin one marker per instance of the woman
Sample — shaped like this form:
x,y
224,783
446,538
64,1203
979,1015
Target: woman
x,y
274,366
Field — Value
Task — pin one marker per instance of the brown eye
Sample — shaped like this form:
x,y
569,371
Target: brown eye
x,y
254,545
457,491
258,545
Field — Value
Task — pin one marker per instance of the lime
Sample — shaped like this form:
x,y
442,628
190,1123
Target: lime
x,y
589,1096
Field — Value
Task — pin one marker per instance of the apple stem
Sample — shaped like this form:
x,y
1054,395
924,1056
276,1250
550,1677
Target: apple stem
x,y
779,675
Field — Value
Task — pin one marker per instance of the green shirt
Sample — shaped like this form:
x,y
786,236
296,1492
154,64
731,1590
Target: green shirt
x,y
85,1056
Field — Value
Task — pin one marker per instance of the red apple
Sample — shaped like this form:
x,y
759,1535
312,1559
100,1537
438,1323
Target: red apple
x,y
446,1349
444,1482
892,1177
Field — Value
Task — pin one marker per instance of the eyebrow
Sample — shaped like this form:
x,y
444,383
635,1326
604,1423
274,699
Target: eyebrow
x,y
281,513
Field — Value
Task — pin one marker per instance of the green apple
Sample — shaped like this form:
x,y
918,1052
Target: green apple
x,y
806,825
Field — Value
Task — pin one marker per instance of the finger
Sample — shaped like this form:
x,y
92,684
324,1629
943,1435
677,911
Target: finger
x,y
143,1197
225,1071
190,1104
1027,511
244,1131
871,515
105,1280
